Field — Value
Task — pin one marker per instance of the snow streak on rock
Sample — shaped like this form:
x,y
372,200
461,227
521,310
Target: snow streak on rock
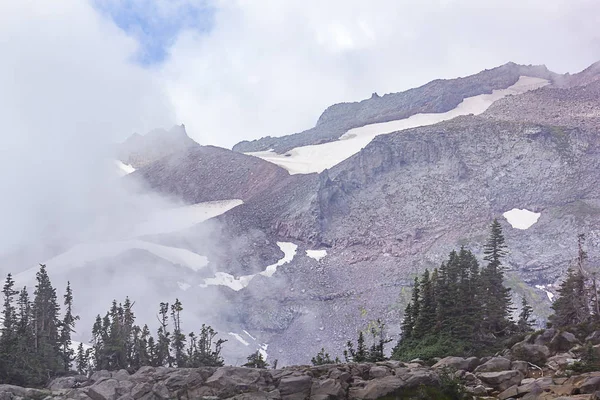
x,y
316,158
235,283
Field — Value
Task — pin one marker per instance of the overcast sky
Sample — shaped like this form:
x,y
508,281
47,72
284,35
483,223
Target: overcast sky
x,y
242,69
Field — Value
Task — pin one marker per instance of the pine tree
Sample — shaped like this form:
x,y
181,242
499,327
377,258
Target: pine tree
x,y
427,308
163,337
46,324
82,360
178,341
496,297
570,307
322,358
256,360
525,322
9,335
67,327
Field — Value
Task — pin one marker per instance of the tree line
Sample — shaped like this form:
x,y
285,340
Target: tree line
x,y
36,345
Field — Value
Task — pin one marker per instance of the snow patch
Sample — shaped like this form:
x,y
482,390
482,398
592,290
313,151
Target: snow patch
x,y
521,218
263,350
237,284
81,254
249,335
180,218
316,158
548,293
316,254
123,169
239,338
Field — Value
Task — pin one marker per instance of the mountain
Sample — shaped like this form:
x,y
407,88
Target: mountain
x,y
294,243
140,150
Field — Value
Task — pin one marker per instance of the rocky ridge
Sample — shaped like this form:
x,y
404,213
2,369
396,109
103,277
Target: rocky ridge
x,y
437,96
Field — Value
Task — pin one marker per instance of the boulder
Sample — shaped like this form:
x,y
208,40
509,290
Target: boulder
x,y
544,338
377,388
230,381
500,380
140,390
561,361
326,389
494,364
533,353
562,342
295,387
457,363
521,366
104,389
593,338
379,372
67,382
14,392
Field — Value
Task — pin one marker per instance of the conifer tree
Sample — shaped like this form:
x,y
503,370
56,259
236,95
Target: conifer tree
x,y
525,322
427,308
322,358
46,324
67,327
8,333
178,341
256,360
496,297
163,356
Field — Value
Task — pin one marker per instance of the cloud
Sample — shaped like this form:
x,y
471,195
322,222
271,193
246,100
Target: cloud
x,y
271,67
69,90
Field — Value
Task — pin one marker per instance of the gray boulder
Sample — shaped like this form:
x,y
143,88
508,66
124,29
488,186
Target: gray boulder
x,y
494,364
533,353
562,342
501,380
295,387
104,389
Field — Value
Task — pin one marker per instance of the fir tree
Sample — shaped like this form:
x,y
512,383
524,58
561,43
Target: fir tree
x,y
256,360
323,358
525,322
67,327
427,308
178,341
9,334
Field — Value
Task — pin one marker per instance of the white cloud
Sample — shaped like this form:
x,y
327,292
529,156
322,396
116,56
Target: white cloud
x,y
270,67
69,89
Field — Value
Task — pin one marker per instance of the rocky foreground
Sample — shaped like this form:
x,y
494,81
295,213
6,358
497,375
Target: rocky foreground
x,y
539,367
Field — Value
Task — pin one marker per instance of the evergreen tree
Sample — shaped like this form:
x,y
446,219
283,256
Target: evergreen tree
x,y
570,307
9,334
46,325
178,342
427,308
323,358
67,327
163,356
82,357
496,297
256,360
525,322
360,354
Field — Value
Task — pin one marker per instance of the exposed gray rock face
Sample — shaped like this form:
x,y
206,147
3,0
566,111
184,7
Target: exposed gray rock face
x,y
140,150
435,97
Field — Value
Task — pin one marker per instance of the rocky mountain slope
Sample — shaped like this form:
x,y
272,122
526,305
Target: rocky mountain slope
x,y
435,97
292,263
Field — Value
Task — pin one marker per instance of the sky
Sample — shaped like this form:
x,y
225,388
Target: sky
x,y
79,75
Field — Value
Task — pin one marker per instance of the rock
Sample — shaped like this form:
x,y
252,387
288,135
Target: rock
x,y
544,338
585,383
326,389
230,381
67,382
377,388
96,376
478,390
511,392
561,361
15,392
104,389
563,341
120,375
533,353
500,380
593,338
457,363
494,364
140,390
521,366
379,372
160,390
295,387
